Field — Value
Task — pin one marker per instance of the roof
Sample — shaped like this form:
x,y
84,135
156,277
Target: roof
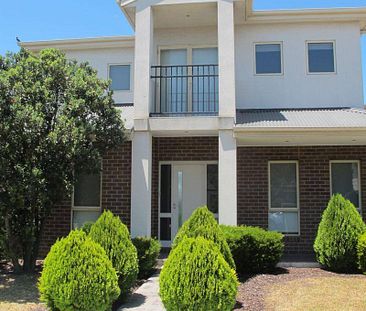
x,y
301,118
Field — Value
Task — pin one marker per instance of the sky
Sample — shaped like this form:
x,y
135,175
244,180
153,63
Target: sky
x,y
32,20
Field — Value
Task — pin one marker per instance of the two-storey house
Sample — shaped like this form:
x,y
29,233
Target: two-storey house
x,y
258,114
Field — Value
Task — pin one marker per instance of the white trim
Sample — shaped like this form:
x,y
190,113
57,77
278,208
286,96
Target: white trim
x,y
307,15
297,210
282,73
86,208
131,75
81,44
359,208
169,215
307,42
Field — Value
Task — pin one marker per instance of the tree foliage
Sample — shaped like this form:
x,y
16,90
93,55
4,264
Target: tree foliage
x,y
361,253
114,237
196,277
254,249
203,223
148,250
338,232
55,116
77,275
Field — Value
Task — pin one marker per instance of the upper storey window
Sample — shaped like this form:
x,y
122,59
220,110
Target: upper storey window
x,y
321,57
268,58
121,77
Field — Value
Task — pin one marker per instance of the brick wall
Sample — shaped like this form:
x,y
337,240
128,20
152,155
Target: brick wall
x,y
57,225
314,183
116,182
116,196
177,149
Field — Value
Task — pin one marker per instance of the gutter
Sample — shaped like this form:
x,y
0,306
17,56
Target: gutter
x,y
84,43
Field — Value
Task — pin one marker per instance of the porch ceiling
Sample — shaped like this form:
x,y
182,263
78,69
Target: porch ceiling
x,y
185,15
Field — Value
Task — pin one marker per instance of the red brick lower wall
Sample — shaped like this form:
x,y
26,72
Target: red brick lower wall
x,y
116,196
177,149
314,183
252,184
57,225
116,182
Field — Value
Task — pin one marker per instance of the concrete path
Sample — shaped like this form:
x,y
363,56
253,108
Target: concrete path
x,y
146,297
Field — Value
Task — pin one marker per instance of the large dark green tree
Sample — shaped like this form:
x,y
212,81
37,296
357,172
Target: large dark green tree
x,y
56,116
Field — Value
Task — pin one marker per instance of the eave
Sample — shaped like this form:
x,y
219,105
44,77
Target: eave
x,y
300,136
308,15
82,44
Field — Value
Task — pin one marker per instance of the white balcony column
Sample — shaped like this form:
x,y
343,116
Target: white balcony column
x,y
227,178
226,48
227,111
144,36
141,184
142,139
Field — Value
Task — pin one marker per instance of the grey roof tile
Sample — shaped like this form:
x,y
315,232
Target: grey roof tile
x,y
301,118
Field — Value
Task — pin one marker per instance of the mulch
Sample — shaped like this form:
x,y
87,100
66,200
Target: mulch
x,y
253,289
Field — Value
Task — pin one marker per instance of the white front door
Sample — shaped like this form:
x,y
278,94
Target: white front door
x,y
183,188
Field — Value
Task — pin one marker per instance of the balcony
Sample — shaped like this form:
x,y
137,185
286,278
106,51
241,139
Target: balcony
x,y
185,90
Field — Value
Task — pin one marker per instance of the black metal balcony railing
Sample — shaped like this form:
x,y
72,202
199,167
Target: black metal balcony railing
x,y
185,89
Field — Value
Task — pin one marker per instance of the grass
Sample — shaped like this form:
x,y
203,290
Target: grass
x,y
19,293
318,294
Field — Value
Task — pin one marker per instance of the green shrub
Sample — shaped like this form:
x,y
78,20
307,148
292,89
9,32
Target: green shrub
x,y
77,275
196,277
338,232
114,237
203,223
148,250
87,226
254,249
361,253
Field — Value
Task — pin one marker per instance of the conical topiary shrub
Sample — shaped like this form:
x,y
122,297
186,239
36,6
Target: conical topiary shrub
x,y
196,277
361,253
339,229
203,223
77,275
115,238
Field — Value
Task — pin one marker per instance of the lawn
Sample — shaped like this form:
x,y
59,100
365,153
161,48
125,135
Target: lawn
x,y
297,289
321,294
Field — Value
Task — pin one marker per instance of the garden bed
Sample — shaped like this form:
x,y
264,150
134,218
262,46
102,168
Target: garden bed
x,y
302,289
18,292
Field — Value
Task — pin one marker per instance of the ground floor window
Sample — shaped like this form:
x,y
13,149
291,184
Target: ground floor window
x,y
345,180
284,197
86,201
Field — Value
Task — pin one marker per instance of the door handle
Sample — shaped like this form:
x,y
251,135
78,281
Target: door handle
x,y
174,206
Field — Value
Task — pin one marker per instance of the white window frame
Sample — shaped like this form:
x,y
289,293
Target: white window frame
x,y
359,208
334,56
255,58
272,210
131,75
85,208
